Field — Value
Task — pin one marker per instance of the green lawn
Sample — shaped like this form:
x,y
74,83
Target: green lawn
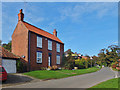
x,y
45,74
112,83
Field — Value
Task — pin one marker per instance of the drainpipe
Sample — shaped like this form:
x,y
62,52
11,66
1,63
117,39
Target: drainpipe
x,y
29,50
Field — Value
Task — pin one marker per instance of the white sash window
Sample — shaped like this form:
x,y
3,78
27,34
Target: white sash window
x,y
49,44
58,47
39,41
58,59
39,57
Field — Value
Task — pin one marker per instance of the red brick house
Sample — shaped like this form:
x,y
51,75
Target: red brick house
x,y
38,47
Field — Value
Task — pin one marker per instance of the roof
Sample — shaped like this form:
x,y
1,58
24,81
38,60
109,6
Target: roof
x,y
7,54
84,57
41,32
68,51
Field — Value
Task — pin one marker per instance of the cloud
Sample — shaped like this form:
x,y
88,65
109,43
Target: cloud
x,y
115,42
79,10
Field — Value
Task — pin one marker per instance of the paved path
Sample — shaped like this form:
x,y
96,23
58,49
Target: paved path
x,y
81,81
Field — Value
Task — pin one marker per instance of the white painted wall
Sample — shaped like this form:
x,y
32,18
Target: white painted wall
x,y
9,65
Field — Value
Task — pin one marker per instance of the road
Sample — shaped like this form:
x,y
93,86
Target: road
x,y
80,81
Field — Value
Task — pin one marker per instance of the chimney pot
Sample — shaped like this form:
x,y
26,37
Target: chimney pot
x,y
20,10
20,15
55,32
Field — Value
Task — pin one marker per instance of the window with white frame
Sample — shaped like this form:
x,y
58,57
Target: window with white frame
x,y
58,59
58,47
39,57
39,41
49,44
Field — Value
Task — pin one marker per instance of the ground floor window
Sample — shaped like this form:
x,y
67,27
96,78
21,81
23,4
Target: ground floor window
x,y
58,59
39,57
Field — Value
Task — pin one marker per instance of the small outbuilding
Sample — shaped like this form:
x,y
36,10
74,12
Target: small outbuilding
x,y
8,60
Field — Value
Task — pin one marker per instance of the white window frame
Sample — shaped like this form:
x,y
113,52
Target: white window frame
x,y
49,45
58,59
58,47
39,41
39,57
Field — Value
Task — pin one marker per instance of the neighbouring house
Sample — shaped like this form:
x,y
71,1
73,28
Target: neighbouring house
x,y
84,57
8,60
38,47
66,53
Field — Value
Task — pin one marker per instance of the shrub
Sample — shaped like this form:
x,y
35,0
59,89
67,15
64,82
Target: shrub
x,y
54,67
21,67
68,62
114,66
42,68
81,63
50,67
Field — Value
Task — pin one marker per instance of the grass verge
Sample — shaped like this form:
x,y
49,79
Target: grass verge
x,y
112,84
45,74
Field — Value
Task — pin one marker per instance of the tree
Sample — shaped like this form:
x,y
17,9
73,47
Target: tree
x,y
7,46
95,60
0,42
108,56
69,63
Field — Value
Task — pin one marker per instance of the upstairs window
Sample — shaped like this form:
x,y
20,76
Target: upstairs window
x,y
49,45
58,59
39,57
39,42
58,47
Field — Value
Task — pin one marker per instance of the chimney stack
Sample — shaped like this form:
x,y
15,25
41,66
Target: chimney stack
x,y
55,32
20,16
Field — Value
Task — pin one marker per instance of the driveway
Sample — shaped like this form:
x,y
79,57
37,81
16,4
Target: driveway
x,y
14,79
81,81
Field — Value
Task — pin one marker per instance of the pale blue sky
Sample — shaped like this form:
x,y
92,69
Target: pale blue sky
x,y
83,27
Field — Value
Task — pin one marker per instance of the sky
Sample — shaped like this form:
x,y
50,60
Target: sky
x,y
83,27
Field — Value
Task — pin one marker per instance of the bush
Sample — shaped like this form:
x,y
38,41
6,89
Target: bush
x,y
54,67
42,68
81,63
50,67
69,62
69,65
21,67
113,65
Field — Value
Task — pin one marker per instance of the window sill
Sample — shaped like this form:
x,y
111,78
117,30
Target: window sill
x,y
39,47
39,63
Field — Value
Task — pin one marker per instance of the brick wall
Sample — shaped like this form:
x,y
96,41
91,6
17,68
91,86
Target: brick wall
x,y
45,52
20,41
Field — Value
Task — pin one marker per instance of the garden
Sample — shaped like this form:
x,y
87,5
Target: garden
x,y
56,74
67,69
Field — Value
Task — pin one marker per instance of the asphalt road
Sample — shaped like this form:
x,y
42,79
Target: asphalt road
x,y
81,81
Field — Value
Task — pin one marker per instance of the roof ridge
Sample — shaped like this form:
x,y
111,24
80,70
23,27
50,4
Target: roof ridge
x,y
41,32
37,27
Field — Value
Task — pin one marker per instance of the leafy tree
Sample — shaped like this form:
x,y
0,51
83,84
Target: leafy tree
x,y
69,63
0,42
7,46
80,63
108,56
95,60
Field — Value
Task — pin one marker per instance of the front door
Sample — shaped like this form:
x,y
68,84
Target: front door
x,y
49,60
